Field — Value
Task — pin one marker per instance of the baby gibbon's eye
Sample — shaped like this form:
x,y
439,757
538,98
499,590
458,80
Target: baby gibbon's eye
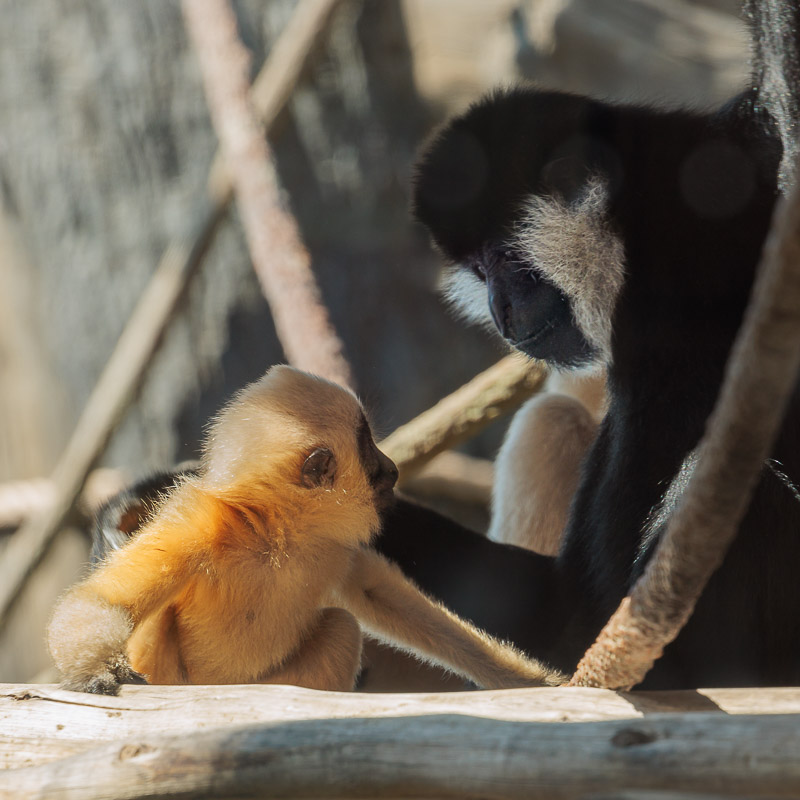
x,y
319,469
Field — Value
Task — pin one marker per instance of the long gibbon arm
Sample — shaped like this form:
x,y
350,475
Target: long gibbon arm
x,y
510,592
395,611
537,470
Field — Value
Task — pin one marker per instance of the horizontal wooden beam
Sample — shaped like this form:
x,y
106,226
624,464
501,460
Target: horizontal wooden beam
x,y
272,741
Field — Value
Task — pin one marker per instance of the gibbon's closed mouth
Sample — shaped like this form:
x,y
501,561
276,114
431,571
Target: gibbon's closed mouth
x,y
539,334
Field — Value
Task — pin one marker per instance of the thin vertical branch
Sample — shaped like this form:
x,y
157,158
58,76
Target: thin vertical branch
x,y
761,374
111,396
281,72
279,256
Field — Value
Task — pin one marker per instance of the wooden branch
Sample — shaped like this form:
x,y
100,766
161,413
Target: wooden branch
x,y
277,741
462,414
110,397
760,377
454,476
282,71
279,256
20,500
126,367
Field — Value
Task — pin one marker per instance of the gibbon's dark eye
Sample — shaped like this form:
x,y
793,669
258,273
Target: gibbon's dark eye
x,y
319,469
478,269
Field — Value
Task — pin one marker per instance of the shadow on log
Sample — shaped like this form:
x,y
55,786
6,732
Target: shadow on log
x,y
279,741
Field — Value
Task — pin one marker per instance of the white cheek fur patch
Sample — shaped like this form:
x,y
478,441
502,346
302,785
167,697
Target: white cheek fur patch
x,y
466,294
573,246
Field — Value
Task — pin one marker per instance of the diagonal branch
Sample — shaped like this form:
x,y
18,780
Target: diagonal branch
x,y
760,377
494,392
279,256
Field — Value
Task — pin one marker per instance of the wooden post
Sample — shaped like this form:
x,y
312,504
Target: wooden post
x,y
280,258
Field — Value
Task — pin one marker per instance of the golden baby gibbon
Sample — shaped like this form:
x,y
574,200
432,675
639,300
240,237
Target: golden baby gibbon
x,y
258,568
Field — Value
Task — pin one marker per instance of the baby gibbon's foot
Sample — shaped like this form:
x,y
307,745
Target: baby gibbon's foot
x,y
108,681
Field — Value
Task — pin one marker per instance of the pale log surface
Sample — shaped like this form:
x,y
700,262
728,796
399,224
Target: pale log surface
x,y
270,741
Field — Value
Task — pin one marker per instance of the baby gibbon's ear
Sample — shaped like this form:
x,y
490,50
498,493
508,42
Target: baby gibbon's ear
x,y
319,469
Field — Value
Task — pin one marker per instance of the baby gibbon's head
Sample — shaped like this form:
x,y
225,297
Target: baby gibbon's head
x,y
304,442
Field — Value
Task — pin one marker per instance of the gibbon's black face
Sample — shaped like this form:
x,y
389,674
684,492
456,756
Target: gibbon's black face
x,y
380,470
530,312
516,194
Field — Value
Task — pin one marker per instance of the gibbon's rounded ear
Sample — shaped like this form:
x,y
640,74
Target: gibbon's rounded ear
x,y
319,469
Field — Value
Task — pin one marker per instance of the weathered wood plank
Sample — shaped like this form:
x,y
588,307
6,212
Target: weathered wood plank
x,y
30,715
443,755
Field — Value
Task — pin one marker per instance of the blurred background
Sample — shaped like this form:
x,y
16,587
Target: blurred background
x,y
105,145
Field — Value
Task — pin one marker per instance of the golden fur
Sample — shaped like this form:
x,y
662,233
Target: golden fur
x,y
247,574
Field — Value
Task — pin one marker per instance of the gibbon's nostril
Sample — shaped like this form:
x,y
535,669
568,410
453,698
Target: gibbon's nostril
x,y
502,316
496,309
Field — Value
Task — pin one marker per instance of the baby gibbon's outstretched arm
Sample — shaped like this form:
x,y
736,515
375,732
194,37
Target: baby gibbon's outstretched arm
x,y
391,608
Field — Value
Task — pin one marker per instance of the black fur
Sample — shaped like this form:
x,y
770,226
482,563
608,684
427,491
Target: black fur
x,y
121,516
690,196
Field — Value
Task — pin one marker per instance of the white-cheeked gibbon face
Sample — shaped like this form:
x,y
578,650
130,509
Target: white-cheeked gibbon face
x,y
531,244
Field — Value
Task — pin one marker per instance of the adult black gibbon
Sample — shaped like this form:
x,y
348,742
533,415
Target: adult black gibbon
x,y
256,567
627,237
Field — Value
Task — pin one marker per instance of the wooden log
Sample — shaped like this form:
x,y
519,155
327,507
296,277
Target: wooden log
x,y
494,392
30,714
273,741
